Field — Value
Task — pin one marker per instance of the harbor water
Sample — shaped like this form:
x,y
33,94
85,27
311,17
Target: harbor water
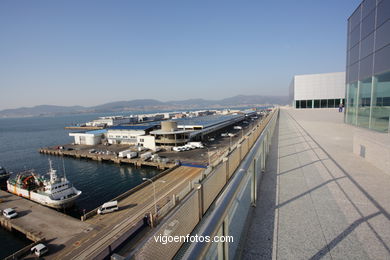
x,y
20,140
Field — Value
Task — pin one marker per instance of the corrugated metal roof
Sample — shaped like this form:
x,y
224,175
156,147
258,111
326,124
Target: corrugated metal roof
x,y
96,132
132,127
205,121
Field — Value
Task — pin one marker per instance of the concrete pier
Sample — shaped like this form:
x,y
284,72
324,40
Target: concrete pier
x,y
103,157
40,223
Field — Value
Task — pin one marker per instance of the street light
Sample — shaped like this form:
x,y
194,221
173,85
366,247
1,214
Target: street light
x,y
154,192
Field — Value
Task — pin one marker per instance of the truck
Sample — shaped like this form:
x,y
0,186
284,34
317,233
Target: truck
x,y
146,156
196,144
132,155
124,153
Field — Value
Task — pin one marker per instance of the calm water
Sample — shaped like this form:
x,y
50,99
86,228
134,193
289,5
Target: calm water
x,y
20,140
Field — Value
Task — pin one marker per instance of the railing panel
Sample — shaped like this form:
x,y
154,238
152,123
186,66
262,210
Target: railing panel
x,y
213,185
234,161
179,224
237,216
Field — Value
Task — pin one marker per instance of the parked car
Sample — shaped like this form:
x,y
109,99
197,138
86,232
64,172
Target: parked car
x,y
39,249
10,213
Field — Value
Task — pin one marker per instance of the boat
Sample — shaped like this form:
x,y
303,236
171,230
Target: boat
x,y
55,192
4,174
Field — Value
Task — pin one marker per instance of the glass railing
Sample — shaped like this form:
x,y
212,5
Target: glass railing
x,y
228,214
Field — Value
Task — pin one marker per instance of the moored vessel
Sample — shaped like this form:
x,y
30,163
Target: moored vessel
x,y
54,192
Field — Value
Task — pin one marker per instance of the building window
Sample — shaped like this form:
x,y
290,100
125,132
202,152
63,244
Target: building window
x,y
297,104
330,102
351,103
317,103
364,101
303,103
324,103
381,103
309,104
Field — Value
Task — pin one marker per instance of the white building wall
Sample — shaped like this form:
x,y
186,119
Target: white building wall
x,y
123,136
86,139
147,141
318,86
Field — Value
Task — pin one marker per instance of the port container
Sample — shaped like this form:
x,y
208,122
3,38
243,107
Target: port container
x,y
124,153
132,155
195,144
146,156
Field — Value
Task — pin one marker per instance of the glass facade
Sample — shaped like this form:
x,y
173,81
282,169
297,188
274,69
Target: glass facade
x,y
368,66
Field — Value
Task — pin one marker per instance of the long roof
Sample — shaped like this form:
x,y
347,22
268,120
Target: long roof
x,y
132,127
205,121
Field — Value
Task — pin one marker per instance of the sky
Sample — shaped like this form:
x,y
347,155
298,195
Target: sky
x,y
93,52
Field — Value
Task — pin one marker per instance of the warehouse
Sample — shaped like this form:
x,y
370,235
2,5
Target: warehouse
x,y
89,138
127,134
179,132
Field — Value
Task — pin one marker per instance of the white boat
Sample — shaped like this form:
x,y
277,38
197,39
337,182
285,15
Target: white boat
x,y
56,192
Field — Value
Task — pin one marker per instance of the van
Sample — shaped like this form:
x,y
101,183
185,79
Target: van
x,y
39,250
108,207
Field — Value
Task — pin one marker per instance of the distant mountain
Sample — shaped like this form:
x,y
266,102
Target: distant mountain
x,y
146,104
42,110
138,103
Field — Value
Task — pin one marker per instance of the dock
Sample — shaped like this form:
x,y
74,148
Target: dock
x,y
110,228
70,238
40,223
82,154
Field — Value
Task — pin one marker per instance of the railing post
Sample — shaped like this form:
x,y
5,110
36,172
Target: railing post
x,y
254,183
199,188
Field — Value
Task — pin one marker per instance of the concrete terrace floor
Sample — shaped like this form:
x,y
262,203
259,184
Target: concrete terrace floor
x,y
318,200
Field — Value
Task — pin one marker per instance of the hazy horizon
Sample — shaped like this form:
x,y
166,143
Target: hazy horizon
x,y
94,52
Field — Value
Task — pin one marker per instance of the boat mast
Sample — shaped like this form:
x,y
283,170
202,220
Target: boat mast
x,y
63,166
53,175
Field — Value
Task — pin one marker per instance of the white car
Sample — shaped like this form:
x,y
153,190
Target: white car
x,y
39,249
9,213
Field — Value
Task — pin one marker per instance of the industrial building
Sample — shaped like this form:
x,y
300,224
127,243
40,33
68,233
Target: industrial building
x,y
325,90
127,134
179,132
368,66
112,121
89,138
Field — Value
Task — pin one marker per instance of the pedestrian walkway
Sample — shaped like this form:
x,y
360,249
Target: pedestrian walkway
x,y
317,199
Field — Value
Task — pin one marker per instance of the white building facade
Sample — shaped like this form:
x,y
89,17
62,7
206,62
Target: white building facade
x,y
88,138
126,134
325,90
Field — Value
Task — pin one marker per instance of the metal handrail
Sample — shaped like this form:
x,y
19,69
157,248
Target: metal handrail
x,y
211,223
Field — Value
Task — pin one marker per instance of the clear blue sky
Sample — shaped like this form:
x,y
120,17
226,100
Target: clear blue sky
x,y
93,52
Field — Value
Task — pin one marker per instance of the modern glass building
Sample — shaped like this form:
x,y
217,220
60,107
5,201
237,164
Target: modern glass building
x,y
368,66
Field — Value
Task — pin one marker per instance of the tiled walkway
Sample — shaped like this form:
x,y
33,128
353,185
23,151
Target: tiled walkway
x,y
318,200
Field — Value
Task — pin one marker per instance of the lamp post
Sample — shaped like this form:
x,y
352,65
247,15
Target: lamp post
x,y
154,192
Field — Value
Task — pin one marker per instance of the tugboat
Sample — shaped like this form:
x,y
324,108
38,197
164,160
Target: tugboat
x,y
55,192
4,174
